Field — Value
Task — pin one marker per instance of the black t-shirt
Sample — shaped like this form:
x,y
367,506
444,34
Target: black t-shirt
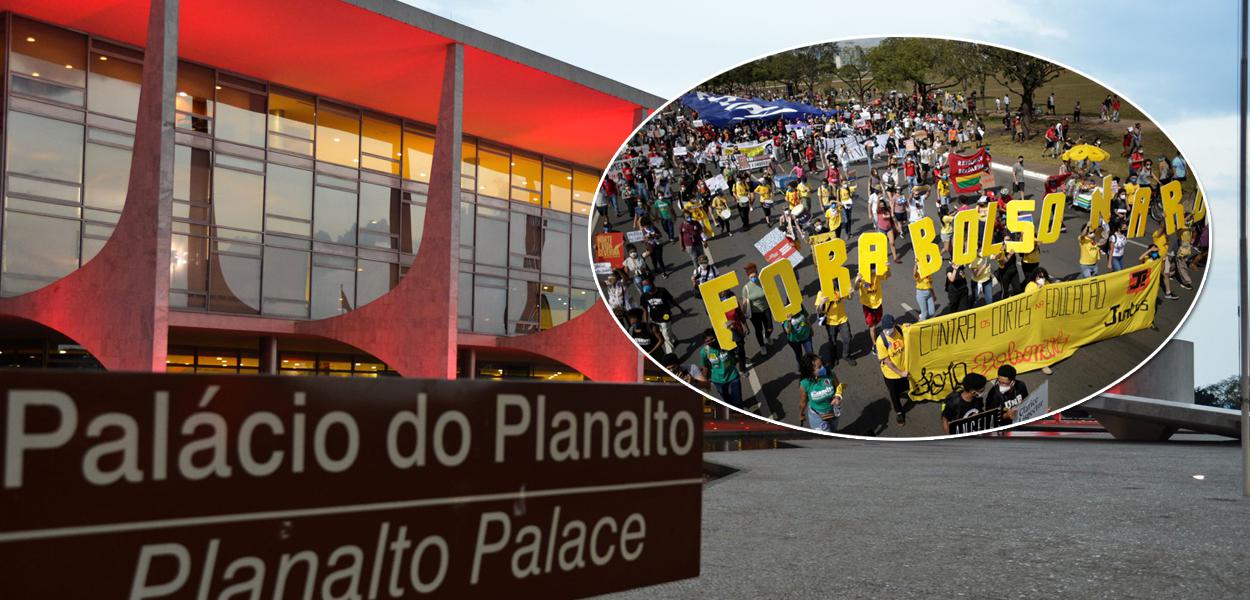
x,y
955,407
1011,399
659,305
645,336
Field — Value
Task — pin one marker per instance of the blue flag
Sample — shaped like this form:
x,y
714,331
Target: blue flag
x,y
726,111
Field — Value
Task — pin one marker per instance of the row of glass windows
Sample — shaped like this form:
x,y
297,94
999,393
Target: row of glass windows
x,y
290,232
195,359
71,69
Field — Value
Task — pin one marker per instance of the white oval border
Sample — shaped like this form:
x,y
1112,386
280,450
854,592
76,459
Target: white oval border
x,y
800,429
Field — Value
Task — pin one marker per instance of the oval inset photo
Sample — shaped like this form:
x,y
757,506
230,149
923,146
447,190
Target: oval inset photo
x,y
900,238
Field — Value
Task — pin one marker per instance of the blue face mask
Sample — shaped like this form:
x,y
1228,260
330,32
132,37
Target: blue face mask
x,y
646,288
822,371
755,280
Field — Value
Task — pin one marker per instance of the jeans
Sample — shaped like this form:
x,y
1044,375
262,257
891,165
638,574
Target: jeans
x,y
927,304
815,422
800,349
985,292
731,392
657,260
1089,270
667,226
612,200
1117,263
744,211
839,341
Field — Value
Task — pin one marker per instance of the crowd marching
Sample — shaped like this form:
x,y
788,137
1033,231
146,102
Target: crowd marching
x,y
872,163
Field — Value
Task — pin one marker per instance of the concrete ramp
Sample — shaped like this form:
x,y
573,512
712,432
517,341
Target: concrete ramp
x,y
1145,419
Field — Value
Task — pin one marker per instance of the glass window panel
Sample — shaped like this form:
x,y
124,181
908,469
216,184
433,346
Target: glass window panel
x,y
466,231
49,53
37,251
293,117
373,279
412,228
554,306
334,216
234,283
338,136
108,172
334,291
47,90
238,199
468,159
44,189
492,175
580,301
379,214
91,247
526,242
381,137
556,252
418,156
491,247
489,306
522,306
584,186
581,250
44,147
188,263
286,283
558,190
465,306
527,173
194,99
240,116
192,182
288,193
114,85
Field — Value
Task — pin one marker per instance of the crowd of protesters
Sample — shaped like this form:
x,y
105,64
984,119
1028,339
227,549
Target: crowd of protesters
x,y
659,186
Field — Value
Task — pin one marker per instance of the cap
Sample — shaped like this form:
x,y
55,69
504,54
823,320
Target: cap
x,y
887,322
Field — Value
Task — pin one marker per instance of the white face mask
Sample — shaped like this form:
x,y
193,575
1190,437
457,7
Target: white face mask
x,y
1004,388
1041,280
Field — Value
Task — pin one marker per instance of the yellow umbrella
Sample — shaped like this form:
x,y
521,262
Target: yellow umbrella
x,y
1086,152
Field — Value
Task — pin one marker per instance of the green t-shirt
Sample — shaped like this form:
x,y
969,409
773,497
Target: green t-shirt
x,y
754,293
662,209
720,364
819,393
800,332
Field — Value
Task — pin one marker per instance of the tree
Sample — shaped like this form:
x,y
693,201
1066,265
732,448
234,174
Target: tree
x,y
854,73
1224,393
923,63
1021,74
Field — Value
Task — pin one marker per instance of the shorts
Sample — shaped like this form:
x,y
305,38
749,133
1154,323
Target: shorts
x,y
872,316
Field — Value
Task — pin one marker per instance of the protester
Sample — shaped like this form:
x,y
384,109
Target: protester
x,y
964,402
722,370
820,405
1006,395
889,349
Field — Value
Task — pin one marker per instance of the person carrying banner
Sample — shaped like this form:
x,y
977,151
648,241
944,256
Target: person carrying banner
x,y
925,300
1090,251
832,311
1006,394
964,402
820,404
889,351
798,330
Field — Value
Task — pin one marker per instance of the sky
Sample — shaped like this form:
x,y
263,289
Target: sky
x,y
1177,61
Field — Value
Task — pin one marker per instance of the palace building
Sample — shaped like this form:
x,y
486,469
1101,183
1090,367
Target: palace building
x,y
304,187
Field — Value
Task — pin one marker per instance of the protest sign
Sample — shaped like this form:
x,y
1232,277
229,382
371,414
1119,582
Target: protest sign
x,y
775,246
1028,331
716,183
610,248
697,122
979,421
680,151
967,172
635,236
655,161
1034,406
139,485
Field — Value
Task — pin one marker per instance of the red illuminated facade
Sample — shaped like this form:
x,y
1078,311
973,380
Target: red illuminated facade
x,y
374,56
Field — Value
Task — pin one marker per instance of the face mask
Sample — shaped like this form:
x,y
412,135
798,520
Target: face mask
x,y
755,279
647,288
1041,280
1004,388
822,371
796,319
633,255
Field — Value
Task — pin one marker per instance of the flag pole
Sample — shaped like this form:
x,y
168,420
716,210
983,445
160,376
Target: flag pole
x,y
1244,299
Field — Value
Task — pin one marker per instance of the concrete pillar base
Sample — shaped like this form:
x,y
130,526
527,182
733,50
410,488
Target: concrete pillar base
x,y
1135,430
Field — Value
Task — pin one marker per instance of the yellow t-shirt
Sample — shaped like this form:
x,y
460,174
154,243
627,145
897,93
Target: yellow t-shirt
x,y
1089,251
844,194
893,351
803,190
765,194
826,195
923,282
1031,286
1033,257
792,197
741,189
982,269
719,203
1160,239
870,290
948,225
833,217
834,309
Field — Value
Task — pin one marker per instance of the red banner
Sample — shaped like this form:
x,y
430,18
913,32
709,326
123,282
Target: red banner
x,y
968,174
610,248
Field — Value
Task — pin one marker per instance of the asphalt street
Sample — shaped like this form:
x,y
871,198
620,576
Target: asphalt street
x,y
773,378
973,518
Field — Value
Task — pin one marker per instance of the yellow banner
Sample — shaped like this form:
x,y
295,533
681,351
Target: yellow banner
x,y
1027,331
